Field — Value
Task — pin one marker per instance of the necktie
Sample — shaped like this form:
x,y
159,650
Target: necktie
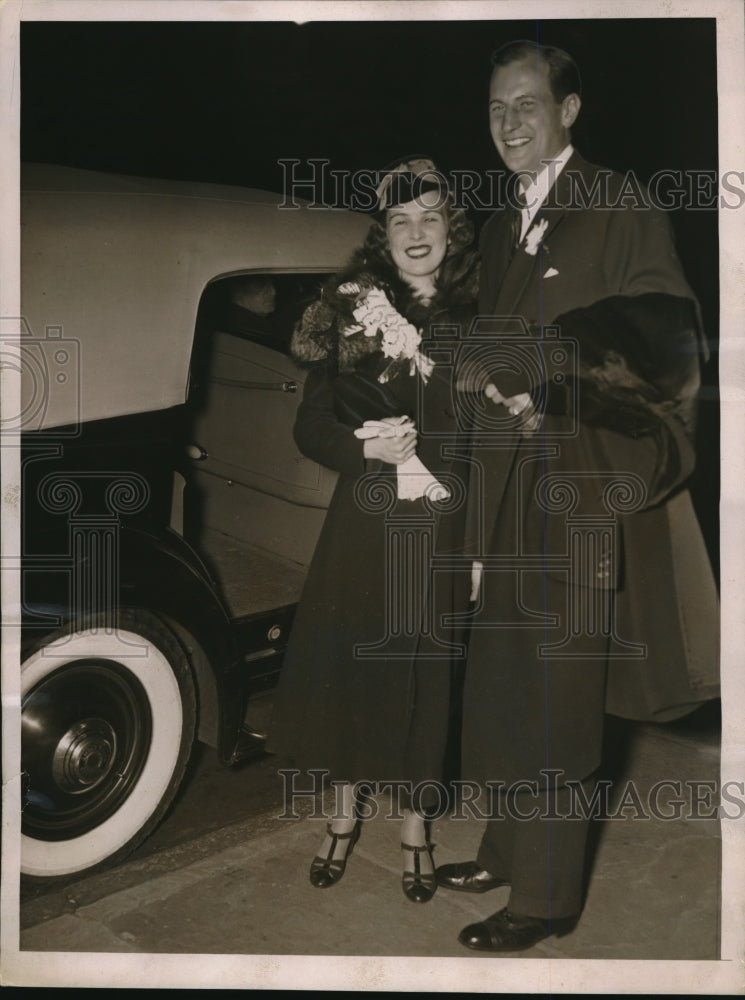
x,y
516,220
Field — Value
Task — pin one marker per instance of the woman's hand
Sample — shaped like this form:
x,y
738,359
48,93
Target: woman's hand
x,y
391,439
392,450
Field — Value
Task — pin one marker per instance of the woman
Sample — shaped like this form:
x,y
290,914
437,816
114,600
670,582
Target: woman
x,y
364,693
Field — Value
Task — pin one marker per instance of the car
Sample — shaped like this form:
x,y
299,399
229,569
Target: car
x,y
168,519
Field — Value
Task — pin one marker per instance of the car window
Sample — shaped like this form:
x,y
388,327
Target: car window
x,y
263,308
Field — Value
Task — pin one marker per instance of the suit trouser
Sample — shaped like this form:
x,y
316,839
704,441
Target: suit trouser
x,y
539,712
542,858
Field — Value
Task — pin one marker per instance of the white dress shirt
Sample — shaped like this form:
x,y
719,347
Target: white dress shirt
x,y
537,191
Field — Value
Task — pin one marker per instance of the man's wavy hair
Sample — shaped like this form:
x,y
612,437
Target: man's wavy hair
x,y
563,75
458,262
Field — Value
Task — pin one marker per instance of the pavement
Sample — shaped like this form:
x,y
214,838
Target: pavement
x,y
235,908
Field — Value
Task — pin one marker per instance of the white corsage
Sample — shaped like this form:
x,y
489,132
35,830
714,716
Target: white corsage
x,y
398,339
413,478
534,237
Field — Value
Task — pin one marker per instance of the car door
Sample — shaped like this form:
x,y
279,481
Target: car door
x,y
251,486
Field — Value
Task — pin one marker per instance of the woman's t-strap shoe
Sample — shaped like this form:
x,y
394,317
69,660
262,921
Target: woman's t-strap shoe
x,y
419,886
329,870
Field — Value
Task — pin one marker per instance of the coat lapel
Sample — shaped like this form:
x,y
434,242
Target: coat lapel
x,y
495,261
512,276
523,265
504,283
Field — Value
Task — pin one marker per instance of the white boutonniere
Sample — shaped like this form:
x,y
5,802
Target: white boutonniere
x,y
534,237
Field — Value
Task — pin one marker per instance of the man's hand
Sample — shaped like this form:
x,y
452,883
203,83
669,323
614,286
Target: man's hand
x,y
518,406
513,403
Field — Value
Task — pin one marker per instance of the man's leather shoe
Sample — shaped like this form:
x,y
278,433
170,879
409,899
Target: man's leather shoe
x,y
505,931
467,876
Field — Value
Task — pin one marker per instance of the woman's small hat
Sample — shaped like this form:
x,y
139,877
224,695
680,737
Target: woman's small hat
x,y
408,179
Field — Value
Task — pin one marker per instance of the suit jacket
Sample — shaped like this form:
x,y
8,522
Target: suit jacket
x,y
596,321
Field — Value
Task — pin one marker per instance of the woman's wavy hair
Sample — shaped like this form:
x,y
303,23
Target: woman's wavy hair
x,y
458,262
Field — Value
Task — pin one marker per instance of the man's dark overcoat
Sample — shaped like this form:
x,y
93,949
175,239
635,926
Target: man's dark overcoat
x,y
595,597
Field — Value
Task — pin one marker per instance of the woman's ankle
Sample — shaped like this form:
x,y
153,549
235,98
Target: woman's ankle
x,y
413,829
342,824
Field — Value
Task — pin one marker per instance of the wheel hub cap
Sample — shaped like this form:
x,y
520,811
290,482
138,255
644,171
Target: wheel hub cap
x,y
84,755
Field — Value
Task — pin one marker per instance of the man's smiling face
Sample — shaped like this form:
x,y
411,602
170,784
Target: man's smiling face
x,y
526,123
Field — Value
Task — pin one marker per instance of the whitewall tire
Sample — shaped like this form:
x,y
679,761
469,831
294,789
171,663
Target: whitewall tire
x,y
108,721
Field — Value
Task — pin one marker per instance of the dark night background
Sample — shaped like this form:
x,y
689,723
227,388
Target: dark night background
x,y
223,102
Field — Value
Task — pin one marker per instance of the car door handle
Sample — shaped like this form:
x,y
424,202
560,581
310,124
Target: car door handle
x,y
287,386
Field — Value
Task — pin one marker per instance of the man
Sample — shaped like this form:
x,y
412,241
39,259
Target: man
x,y
250,308
592,585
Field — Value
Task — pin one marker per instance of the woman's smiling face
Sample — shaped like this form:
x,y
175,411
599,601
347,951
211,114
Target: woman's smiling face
x,y
418,238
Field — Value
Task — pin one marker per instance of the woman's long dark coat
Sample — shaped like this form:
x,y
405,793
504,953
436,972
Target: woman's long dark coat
x,y
364,692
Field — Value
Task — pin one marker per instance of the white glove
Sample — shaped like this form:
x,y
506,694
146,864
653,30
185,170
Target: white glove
x,y
477,569
413,478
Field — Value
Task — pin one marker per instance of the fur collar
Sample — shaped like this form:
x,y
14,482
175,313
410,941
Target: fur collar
x,y
318,336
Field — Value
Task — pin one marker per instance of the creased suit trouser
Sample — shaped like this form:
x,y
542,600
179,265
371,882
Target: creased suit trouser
x,y
541,714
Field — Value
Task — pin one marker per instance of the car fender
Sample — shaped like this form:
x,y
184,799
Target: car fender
x,y
159,571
